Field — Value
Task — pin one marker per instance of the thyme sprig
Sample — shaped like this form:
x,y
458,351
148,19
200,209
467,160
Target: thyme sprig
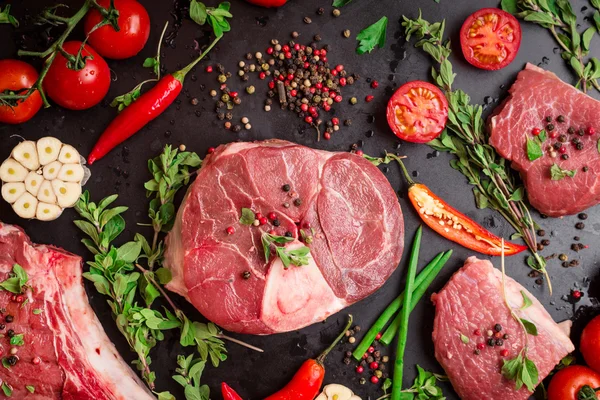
x,y
465,137
558,17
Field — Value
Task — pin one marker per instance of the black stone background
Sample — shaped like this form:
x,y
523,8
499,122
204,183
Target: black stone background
x,y
257,375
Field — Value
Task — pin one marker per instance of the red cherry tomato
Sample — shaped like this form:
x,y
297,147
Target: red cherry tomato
x,y
590,344
568,382
417,112
134,24
77,90
14,76
268,3
490,38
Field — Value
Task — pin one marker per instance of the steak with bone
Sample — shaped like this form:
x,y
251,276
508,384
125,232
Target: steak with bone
x,y
340,200
65,353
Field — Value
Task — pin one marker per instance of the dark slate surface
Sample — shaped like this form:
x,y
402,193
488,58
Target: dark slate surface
x,y
257,375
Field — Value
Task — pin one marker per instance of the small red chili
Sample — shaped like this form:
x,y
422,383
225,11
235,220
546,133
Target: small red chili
x,y
536,131
369,98
230,230
360,369
374,365
374,379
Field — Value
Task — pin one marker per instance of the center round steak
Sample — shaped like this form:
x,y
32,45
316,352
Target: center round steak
x,y
337,204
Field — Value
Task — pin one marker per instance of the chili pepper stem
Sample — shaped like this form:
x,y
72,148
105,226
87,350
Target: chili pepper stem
x,y
180,75
403,168
321,358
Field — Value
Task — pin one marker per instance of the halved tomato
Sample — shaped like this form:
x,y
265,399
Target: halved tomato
x,y
417,112
490,38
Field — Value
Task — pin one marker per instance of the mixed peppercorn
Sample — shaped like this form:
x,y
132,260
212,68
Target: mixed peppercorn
x,y
372,361
494,337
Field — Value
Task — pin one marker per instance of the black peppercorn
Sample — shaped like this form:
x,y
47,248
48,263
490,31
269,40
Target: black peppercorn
x,y
246,275
476,352
370,359
276,222
564,156
585,169
506,336
491,342
347,361
546,242
561,118
288,234
579,225
582,216
577,238
320,11
286,188
10,333
497,327
2,326
12,360
298,202
9,318
540,247
237,128
571,130
579,146
541,232
499,342
548,118
562,138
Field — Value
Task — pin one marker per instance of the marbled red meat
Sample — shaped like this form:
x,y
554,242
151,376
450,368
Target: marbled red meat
x,y
348,203
77,360
535,95
472,300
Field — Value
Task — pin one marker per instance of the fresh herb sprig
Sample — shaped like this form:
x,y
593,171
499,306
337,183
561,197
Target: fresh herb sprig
x,y
424,387
216,17
16,282
297,257
189,374
558,17
7,18
372,36
465,137
557,173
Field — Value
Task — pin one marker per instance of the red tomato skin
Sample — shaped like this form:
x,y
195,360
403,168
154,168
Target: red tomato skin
x,y
16,75
134,24
590,344
566,383
268,3
464,40
77,90
394,100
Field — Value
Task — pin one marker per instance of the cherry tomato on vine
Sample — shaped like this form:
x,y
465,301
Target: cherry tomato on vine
x,y
590,344
417,112
134,24
14,76
77,89
268,3
490,38
568,382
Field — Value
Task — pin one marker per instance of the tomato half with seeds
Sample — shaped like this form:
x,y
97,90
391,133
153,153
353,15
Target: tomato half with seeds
x,y
590,344
417,112
572,381
15,76
490,38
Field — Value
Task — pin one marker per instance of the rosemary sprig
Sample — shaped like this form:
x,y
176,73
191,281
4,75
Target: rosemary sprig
x,y
465,137
558,17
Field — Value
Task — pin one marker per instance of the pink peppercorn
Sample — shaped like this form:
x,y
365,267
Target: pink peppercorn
x,y
504,353
591,131
230,230
210,150
272,216
477,332
36,360
209,68
374,84
481,346
374,379
262,75
562,150
359,153
339,68
360,369
369,98
378,336
327,135
371,349
374,365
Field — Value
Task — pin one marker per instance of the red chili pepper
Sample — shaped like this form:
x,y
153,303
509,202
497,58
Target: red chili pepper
x,y
228,393
452,224
306,383
268,3
147,107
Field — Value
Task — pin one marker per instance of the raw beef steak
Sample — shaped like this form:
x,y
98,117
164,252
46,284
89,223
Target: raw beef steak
x,y
65,353
472,301
340,199
536,95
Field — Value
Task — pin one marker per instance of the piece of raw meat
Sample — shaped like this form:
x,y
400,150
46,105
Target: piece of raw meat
x,y
472,301
536,95
344,202
65,353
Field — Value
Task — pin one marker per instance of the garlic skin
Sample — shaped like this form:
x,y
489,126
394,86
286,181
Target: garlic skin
x,y
337,392
42,178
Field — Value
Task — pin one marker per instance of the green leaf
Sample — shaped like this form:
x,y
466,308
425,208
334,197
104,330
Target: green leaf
x,y
530,375
20,274
526,301
17,340
6,18
510,6
534,150
464,339
5,363
542,136
530,327
198,12
576,65
557,173
586,38
598,145
7,390
164,275
247,217
165,396
541,18
372,36
129,252
37,311
518,194
340,3
30,388
387,383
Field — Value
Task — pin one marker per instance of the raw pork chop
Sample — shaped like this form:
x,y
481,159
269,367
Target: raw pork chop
x,y
60,330
535,95
472,300
352,210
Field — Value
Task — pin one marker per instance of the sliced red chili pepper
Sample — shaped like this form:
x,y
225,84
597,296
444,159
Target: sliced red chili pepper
x,y
452,224
228,393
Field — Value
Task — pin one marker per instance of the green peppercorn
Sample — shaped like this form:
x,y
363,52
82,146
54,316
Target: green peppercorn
x,y
250,89
353,100
222,78
563,257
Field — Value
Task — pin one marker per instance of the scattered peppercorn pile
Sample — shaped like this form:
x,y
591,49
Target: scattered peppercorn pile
x,y
561,136
372,361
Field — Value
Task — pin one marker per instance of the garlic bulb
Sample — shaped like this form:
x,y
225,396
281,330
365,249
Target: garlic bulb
x,y
42,178
337,392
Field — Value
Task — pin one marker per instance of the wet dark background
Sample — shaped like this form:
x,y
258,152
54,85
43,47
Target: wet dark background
x,y
124,170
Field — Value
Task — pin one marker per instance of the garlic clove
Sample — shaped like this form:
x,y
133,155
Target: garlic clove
x,y
47,212
48,149
71,173
68,155
338,392
12,191
51,170
25,206
12,171
355,397
26,154
67,193
33,182
322,396
46,193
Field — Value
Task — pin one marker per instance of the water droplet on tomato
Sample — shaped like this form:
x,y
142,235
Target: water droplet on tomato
x,y
92,72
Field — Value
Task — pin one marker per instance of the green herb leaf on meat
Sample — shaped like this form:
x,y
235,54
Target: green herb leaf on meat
x,y
17,340
534,150
464,338
372,36
521,370
17,280
30,388
530,327
247,217
340,3
7,390
557,173
526,301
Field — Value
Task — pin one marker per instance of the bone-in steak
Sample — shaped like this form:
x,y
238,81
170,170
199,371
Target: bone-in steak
x,y
536,95
340,199
65,353
471,304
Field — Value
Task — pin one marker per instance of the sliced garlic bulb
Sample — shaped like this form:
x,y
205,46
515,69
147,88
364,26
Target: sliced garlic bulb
x,y
47,211
71,173
48,149
51,170
12,191
26,153
26,206
337,392
67,193
33,182
68,155
46,193
12,171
